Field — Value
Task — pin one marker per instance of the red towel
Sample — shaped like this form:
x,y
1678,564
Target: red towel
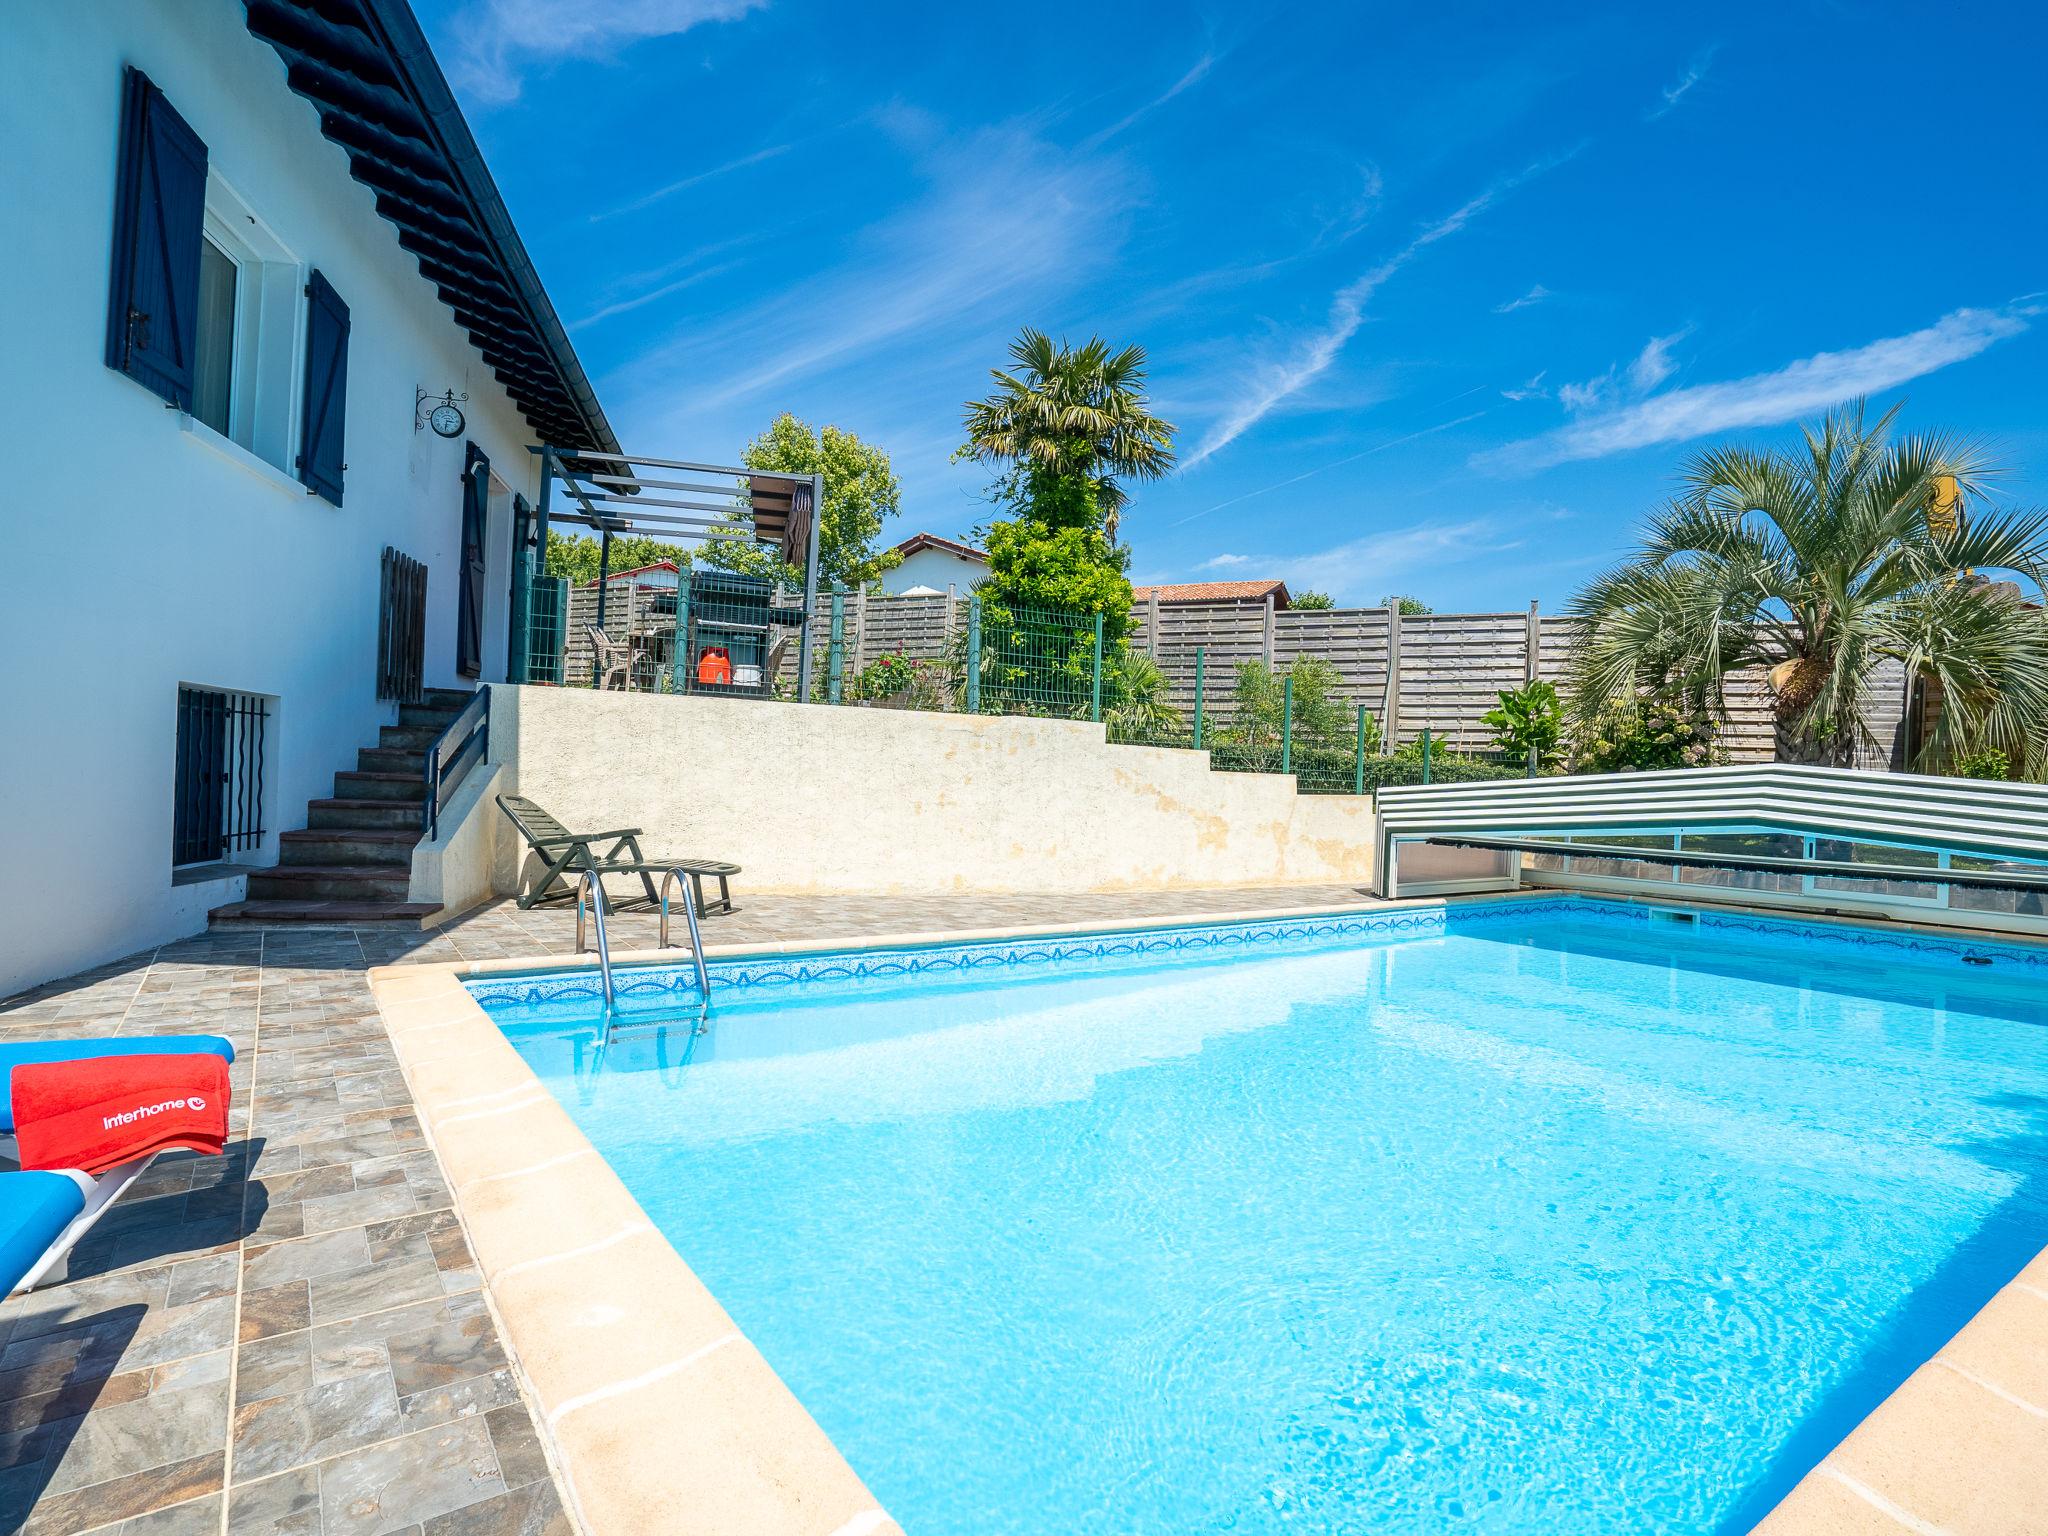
x,y
93,1114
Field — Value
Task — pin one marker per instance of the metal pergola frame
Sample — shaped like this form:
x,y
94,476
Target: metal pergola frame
x,y
608,493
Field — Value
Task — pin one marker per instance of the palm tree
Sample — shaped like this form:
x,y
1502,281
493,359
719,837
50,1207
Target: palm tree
x,y
1816,563
1076,413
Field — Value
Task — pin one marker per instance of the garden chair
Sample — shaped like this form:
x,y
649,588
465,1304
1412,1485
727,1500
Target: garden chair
x,y
564,854
44,1213
613,660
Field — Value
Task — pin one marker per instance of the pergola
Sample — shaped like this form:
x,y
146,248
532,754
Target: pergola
x,y
682,500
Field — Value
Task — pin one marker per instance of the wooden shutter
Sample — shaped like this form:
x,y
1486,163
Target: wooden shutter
x,y
159,210
516,647
469,613
326,406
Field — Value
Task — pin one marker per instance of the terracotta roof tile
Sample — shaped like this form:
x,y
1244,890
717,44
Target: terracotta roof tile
x,y
1214,592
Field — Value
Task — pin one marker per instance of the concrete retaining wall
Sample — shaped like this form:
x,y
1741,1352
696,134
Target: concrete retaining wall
x,y
814,799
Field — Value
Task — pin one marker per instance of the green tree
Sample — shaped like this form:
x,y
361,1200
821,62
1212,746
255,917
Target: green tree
x,y
1311,600
1411,607
861,493
577,556
1817,562
1064,425
1033,565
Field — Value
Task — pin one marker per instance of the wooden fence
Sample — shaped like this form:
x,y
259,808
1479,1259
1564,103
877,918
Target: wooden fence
x,y
1439,672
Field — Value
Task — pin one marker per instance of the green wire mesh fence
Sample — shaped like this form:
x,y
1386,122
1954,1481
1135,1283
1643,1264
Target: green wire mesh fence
x,y
713,633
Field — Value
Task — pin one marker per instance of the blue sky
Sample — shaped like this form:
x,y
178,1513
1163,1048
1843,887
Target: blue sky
x,y
1439,297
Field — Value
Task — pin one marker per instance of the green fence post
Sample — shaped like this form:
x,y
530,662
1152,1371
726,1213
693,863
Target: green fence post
x,y
1200,654
1532,762
974,655
1287,723
1425,755
1095,705
679,664
835,660
1358,759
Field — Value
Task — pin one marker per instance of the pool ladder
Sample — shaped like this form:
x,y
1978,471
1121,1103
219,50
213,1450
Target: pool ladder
x,y
590,899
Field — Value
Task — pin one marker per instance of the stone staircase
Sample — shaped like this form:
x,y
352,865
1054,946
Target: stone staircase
x,y
352,861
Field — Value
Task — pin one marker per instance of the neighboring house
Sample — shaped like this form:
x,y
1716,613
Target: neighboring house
x,y
1253,594
932,564
244,242
663,575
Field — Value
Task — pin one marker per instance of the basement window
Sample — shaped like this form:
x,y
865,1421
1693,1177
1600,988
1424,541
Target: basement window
x,y
223,756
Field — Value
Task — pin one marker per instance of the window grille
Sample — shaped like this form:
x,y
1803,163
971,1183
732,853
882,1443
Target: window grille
x,y
218,807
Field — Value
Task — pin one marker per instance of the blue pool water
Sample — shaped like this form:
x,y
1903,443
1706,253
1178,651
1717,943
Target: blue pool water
x,y
1553,1220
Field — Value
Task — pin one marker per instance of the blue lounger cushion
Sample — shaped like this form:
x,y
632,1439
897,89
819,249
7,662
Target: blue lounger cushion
x,y
27,1051
35,1208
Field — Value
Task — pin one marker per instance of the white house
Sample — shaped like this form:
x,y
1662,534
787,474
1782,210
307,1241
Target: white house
x,y
249,246
933,564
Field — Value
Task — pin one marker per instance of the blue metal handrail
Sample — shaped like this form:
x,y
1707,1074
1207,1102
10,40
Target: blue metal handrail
x,y
462,744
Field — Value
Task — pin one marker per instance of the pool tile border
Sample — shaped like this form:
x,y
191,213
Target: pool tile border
x,y
661,1417
893,959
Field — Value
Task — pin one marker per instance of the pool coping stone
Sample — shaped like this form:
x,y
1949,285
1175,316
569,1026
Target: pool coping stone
x,y
645,1384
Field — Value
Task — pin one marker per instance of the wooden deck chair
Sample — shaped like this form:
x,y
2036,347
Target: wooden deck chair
x,y
565,854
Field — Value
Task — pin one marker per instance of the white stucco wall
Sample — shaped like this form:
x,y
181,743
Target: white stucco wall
x,y
937,569
458,867
817,799
138,556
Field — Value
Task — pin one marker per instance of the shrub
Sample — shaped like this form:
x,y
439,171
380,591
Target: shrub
x,y
1984,763
1321,718
1642,735
1528,719
1134,697
917,684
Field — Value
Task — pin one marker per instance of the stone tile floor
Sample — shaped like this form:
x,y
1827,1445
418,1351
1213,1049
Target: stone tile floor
x,y
291,1340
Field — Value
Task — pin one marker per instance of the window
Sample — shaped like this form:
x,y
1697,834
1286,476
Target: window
x,y
245,350
209,309
213,348
223,755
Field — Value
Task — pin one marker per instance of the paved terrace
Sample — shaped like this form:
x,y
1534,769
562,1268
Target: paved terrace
x,y
290,1340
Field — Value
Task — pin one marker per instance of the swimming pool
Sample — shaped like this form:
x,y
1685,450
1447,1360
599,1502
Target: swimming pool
x,y
1540,1215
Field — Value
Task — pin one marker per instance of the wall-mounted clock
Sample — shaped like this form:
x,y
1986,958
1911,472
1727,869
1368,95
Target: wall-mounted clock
x,y
442,414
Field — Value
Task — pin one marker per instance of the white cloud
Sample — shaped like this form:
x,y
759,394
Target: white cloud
x,y
1196,74
1349,458
1680,88
677,285
1380,562
1224,562
1533,390
1277,382
497,41
1766,399
1536,295
1005,224
1652,366
634,205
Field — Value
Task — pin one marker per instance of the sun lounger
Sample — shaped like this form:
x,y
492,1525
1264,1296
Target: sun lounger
x,y
566,854
37,1213
109,1114
21,1053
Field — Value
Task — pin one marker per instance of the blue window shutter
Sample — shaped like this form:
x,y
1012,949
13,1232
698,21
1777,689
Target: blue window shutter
x,y
326,404
469,607
159,210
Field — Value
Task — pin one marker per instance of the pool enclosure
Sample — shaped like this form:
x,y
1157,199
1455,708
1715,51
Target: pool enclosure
x,y
1958,851
683,625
